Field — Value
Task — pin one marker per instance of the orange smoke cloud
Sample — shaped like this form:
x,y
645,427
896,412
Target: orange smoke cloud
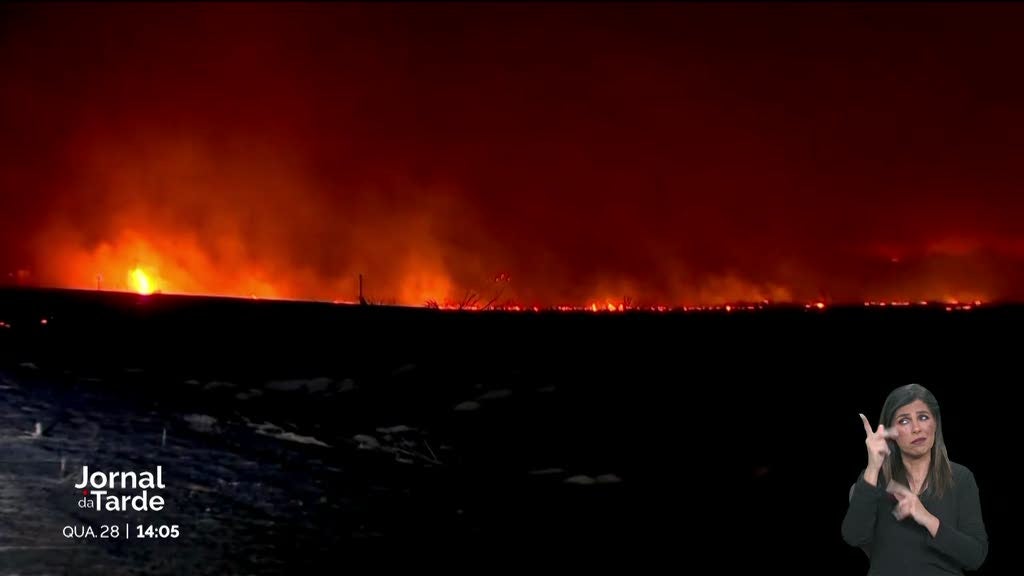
x,y
199,221
283,151
156,261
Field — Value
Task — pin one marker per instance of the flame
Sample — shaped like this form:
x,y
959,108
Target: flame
x,y
140,282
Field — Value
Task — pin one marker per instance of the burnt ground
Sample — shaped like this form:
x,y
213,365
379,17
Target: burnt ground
x,y
290,433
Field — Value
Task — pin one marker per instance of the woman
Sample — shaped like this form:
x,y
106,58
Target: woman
x,y
912,510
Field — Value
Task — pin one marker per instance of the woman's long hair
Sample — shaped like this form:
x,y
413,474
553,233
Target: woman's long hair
x,y
940,473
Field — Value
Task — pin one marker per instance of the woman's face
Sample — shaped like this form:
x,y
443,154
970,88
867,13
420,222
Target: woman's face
x,y
916,426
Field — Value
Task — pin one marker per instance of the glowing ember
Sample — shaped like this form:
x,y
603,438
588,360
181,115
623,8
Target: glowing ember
x,y
140,282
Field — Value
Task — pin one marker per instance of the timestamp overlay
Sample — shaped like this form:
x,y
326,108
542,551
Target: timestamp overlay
x,y
94,486
95,482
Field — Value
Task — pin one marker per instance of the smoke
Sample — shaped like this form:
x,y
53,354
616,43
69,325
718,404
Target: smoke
x,y
542,155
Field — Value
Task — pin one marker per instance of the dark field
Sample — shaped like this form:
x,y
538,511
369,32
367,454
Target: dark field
x,y
289,433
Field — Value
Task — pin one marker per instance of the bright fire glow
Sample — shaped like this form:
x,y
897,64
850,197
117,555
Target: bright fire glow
x,y
153,262
140,282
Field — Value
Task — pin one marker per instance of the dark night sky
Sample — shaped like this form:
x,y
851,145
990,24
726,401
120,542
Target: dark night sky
x,y
677,153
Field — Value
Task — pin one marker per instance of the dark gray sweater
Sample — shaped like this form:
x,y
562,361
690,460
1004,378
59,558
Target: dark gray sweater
x,y
905,547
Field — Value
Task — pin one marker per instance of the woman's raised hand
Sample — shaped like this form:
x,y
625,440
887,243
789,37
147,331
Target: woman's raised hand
x,y
876,444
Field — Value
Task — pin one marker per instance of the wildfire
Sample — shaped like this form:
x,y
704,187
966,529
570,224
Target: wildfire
x,y
164,263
